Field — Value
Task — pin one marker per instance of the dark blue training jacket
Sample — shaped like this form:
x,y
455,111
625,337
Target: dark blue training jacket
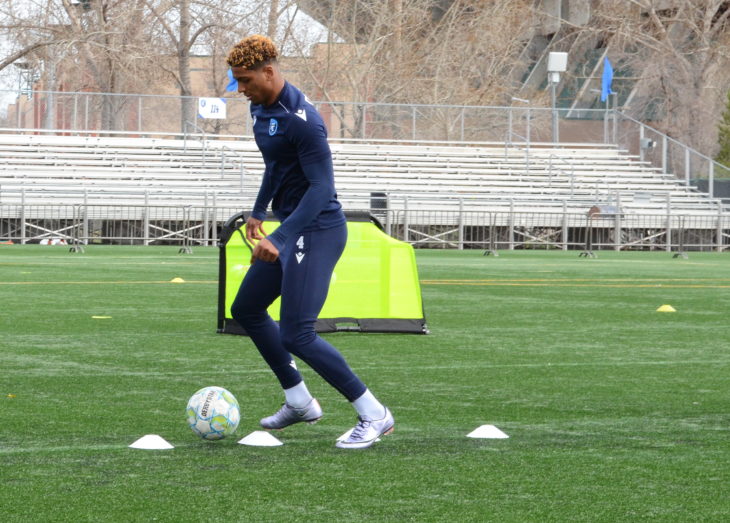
x,y
299,177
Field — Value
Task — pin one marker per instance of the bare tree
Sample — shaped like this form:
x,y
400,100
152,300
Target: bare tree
x,y
677,55
459,52
93,45
29,30
180,26
118,46
397,51
112,50
181,29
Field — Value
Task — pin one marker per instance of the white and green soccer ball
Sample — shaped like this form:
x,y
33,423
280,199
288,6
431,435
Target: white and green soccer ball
x,y
213,413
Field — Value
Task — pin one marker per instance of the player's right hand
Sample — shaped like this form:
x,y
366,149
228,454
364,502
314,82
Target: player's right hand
x,y
254,230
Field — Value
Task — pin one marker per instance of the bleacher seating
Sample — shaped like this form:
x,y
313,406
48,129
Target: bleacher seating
x,y
37,169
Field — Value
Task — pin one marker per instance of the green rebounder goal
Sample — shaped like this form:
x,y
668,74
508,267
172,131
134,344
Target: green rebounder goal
x,y
374,287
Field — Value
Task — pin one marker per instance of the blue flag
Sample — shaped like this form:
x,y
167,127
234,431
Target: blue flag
x,y
606,80
232,83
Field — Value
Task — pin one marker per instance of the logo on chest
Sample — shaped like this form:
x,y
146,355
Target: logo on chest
x,y
273,126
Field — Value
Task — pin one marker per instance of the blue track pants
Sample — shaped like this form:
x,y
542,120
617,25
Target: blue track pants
x,y
301,276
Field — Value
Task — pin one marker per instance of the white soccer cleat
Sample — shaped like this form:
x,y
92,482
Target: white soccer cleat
x,y
367,431
288,415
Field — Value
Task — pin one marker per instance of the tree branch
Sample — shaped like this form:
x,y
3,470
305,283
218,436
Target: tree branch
x,y
20,54
199,32
174,74
163,22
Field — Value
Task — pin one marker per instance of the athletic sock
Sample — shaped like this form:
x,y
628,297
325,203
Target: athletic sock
x,y
298,396
367,406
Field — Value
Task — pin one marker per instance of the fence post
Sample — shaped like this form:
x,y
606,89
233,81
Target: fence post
x,y
719,229
461,224
615,118
686,166
387,215
617,230
711,179
641,141
565,225
405,219
664,154
668,247
48,118
206,236
509,124
462,124
22,216
76,108
86,218
146,218
139,114
214,221
413,123
511,224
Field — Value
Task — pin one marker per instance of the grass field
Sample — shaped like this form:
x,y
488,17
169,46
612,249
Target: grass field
x,y
615,412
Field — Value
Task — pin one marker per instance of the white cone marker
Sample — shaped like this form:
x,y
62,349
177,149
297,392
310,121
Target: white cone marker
x,y
260,438
151,442
347,435
487,432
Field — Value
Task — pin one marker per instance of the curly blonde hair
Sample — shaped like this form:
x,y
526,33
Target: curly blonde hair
x,y
252,52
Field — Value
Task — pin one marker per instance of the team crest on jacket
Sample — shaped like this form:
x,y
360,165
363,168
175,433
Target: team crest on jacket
x,y
273,126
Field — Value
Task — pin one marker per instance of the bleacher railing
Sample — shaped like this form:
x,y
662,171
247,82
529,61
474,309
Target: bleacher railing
x,y
670,156
192,226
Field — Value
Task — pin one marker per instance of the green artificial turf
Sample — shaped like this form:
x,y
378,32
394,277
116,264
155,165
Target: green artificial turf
x,y
615,412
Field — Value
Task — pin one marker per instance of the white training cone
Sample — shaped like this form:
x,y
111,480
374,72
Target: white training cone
x,y
347,435
260,438
151,442
487,432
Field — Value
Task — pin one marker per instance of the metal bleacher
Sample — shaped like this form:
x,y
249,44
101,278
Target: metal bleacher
x,y
43,170
70,170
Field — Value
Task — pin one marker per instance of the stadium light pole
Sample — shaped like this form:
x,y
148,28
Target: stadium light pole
x,y
557,63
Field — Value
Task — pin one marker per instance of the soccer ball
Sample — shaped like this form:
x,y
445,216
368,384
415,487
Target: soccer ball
x,y
213,413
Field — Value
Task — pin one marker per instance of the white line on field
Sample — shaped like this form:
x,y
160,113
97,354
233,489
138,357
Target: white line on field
x,y
28,450
474,364
241,372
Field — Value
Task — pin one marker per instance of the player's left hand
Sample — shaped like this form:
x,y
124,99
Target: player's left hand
x,y
265,251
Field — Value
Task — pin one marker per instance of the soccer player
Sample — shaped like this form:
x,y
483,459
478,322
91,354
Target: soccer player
x,y
297,260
